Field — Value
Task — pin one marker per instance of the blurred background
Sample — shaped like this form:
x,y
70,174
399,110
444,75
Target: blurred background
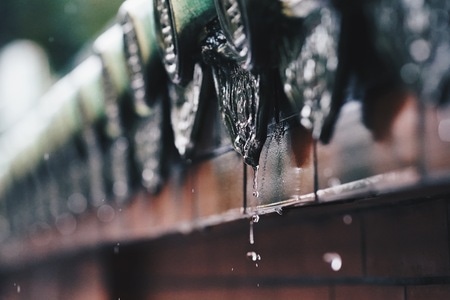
x,y
40,40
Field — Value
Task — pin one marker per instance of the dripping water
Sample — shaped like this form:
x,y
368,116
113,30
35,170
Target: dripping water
x,y
251,237
255,182
279,210
255,219
254,257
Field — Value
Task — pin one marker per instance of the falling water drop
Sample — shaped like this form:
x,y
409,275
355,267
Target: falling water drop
x,y
334,259
347,219
251,237
253,256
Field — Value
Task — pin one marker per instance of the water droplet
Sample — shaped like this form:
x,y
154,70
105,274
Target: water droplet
x,y
334,259
255,182
251,237
232,269
46,156
347,219
255,218
253,256
279,210
116,248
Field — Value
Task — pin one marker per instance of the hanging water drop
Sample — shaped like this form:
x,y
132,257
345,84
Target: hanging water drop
x,y
255,218
279,210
